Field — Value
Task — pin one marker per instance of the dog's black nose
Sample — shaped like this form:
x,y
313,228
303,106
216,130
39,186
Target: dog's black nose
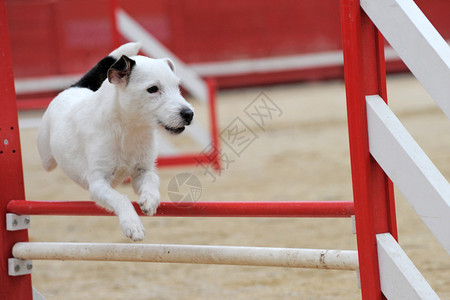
x,y
187,115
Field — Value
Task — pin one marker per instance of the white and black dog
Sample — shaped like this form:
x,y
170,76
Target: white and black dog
x,y
101,130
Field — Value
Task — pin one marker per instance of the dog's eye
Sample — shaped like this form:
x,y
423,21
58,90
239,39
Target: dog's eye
x,y
153,89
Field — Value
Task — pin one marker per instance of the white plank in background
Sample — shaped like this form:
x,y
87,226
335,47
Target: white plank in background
x,y
209,69
417,43
45,83
399,278
412,172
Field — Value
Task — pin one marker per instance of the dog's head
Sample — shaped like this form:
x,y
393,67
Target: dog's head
x,y
150,87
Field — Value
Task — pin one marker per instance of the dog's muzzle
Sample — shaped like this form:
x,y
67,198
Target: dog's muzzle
x,y
186,115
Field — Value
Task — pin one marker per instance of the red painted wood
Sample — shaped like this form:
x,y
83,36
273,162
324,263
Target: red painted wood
x,y
11,177
214,155
183,160
33,103
318,209
115,34
364,67
62,37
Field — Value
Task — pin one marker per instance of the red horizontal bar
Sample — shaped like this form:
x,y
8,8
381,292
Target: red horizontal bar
x,y
29,104
180,160
322,209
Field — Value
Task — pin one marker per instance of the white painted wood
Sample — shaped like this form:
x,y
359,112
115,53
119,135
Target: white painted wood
x,y
29,122
425,188
278,63
45,83
217,68
131,30
19,267
207,69
399,278
270,64
198,254
37,295
15,222
417,43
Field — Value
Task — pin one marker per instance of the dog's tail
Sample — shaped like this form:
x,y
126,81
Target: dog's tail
x,y
128,49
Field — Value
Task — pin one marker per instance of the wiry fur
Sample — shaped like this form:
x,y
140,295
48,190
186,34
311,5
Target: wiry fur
x,y
99,138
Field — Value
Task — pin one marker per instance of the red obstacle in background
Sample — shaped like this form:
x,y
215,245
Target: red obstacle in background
x,y
61,37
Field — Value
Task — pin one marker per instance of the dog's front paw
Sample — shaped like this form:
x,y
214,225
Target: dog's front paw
x,y
149,202
133,229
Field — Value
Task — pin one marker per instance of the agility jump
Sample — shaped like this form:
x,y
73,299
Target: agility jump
x,y
374,212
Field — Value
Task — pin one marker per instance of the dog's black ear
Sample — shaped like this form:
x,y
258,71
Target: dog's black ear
x,y
119,72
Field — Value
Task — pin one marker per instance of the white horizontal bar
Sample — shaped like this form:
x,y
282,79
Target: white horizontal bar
x,y
278,63
399,278
222,255
45,83
270,64
151,46
417,178
417,43
218,68
33,122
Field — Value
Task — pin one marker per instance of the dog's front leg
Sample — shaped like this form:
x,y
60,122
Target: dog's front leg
x,y
102,192
146,184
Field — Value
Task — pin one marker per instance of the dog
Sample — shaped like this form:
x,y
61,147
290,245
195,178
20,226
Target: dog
x,y
102,129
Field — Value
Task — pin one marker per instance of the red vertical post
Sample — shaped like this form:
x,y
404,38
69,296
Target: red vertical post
x,y
373,196
11,176
215,144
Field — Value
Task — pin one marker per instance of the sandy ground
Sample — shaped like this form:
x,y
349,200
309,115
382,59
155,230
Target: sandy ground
x,y
301,153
